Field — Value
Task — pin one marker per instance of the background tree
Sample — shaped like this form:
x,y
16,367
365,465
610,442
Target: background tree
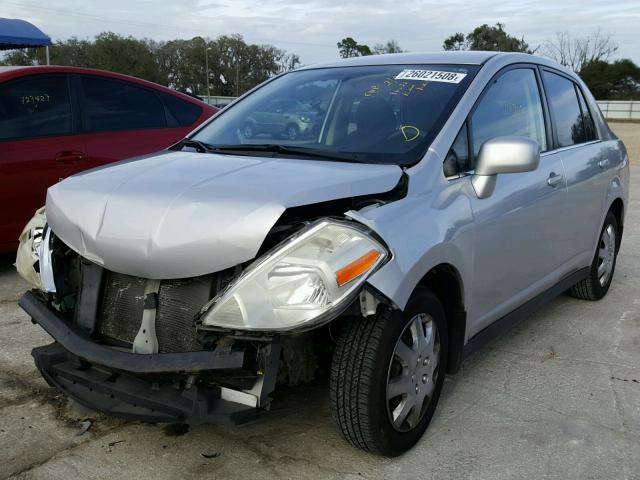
x,y
576,52
489,38
348,47
128,55
619,80
455,42
392,46
234,65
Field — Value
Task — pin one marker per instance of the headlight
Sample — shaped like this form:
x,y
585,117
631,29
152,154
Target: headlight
x,y
28,254
305,119
301,283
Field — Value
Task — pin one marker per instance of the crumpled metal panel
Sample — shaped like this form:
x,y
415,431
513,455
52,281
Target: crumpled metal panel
x,y
185,214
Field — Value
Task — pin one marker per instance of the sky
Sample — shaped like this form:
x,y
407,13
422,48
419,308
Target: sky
x,y
311,28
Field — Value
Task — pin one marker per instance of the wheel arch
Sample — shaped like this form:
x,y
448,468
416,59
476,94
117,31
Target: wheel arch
x,y
445,281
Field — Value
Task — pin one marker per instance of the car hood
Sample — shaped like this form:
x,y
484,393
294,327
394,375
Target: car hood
x,y
184,214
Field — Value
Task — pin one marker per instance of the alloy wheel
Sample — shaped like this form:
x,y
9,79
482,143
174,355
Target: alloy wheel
x,y
606,254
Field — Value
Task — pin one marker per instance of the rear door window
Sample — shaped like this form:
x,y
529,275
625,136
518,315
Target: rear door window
x,y
563,103
37,106
511,107
587,120
112,105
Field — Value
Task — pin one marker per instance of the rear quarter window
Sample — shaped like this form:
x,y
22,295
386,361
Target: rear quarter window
x,y
587,120
183,113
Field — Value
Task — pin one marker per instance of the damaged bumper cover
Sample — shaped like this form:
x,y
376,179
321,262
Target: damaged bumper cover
x,y
136,386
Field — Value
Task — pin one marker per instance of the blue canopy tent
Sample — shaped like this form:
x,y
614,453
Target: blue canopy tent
x,y
16,33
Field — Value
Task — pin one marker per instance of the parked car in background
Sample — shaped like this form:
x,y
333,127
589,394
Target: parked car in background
x,y
445,197
280,117
57,121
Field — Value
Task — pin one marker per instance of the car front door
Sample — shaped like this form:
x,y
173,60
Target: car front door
x,y
38,147
519,228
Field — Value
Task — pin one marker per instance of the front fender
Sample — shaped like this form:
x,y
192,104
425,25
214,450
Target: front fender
x,y
422,231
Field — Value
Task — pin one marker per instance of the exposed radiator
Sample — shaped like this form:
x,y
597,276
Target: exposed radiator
x,y
120,310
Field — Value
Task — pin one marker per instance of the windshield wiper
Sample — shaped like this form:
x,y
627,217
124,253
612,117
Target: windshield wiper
x,y
201,147
288,150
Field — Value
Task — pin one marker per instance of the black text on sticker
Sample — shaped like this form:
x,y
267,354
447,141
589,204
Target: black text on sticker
x,y
431,76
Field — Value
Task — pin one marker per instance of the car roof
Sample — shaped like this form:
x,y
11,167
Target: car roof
x,y
454,58
11,72
8,69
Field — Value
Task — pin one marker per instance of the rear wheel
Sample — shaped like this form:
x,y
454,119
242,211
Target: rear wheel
x,y
247,130
387,375
293,132
597,284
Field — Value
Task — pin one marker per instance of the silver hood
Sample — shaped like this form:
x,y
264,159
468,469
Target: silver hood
x,y
184,214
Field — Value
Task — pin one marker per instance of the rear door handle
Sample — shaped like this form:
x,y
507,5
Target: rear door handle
x,y
554,179
604,163
68,157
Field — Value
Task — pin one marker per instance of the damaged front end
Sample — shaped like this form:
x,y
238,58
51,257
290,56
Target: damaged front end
x,y
203,349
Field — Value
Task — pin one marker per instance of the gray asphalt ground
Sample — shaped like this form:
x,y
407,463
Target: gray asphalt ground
x,y
557,397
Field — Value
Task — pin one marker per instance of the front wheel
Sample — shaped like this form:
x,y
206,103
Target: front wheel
x,y
597,283
387,375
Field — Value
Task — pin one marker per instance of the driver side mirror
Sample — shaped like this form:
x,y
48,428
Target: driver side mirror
x,y
503,155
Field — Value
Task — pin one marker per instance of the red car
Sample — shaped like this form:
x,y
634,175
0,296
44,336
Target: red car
x,y
57,121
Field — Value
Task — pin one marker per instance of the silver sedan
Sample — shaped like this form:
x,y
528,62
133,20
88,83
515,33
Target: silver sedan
x,y
436,199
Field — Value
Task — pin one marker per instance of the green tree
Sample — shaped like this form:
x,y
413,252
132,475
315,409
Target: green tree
x,y
127,55
485,37
233,65
348,47
619,80
182,64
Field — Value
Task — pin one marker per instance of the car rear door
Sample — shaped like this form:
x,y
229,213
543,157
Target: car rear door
x,y
586,161
123,120
519,228
39,146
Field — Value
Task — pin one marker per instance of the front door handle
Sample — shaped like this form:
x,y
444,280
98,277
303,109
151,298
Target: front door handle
x,y
604,163
554,179
70,156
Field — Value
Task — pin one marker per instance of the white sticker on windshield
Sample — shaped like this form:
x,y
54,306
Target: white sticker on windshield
x,y
431,76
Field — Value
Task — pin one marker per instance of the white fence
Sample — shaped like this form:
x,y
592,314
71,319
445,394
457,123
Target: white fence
x,y
612,109
620,109
218,100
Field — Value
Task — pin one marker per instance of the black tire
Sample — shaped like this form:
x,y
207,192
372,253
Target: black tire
x,y
359,374
292,131
591,288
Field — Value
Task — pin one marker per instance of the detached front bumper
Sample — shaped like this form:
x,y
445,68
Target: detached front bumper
x,y
138,386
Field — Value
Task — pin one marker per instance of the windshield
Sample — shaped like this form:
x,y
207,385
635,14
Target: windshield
x,y
373,114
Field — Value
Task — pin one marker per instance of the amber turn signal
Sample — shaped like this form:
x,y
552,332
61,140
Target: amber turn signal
x,y
357,267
